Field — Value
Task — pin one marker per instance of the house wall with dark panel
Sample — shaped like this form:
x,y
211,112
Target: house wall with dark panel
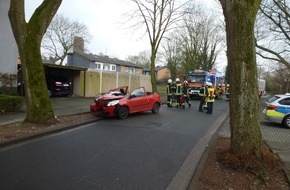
x,y
77,60
8,51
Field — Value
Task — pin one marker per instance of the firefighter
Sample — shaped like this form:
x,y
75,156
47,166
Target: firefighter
x,y
178,92
202,95
219,91
185,95
228,91
170,90
210,98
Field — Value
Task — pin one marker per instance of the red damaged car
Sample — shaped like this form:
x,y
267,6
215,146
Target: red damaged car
x,y
117,103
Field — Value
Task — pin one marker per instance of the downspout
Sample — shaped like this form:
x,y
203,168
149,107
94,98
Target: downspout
x,y
101,81
84,83
117,81
130,82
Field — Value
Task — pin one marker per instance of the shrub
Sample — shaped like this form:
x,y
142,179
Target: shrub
x,y
10,103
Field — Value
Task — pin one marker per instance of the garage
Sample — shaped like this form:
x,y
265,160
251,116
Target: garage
x,y
61,80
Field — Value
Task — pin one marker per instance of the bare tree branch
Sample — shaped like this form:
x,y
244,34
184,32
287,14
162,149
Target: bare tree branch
x,y
59,37
274,24
158,17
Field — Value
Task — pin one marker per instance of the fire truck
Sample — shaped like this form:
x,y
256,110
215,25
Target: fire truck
x,y
197,77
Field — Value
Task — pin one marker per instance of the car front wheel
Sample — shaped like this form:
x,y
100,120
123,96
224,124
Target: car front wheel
x,y
286,121
123,112
155,108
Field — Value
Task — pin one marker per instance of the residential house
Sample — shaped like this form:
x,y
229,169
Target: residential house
x,y
101,62
161,73
103,72
78,58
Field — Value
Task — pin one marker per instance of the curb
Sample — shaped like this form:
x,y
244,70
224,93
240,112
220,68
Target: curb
x,y
189,172
286,165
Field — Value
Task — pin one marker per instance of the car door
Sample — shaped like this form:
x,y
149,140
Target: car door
x,y
285,108
138,101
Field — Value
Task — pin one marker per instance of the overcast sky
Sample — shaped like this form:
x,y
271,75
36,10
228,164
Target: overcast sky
x,y
104,20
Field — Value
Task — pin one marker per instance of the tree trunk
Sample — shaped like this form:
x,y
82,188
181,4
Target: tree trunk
x,y
28,37
152,69
240,18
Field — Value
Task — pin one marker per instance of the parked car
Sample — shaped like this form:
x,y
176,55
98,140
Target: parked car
x,y
58,86
278,109
120,104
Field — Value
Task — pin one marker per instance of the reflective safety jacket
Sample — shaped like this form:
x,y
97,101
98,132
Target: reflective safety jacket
x,y
168,91
185,90
210,94
172,89
202,91
219,90
178,89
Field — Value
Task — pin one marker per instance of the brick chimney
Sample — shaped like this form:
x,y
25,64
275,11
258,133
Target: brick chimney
x,y
78,46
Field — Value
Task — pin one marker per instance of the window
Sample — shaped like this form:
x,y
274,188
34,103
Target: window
x,y
285,101
272,99
106,67
98,66
113,68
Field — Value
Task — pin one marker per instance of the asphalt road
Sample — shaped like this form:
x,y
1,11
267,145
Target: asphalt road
x,y
141,152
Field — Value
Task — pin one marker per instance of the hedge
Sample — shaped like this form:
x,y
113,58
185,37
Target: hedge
x,y
9,103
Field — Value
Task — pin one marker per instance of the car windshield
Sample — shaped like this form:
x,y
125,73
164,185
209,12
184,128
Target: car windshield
x,y
138,92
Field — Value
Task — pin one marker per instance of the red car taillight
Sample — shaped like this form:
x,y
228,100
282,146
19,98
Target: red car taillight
x,y
271,107
58,83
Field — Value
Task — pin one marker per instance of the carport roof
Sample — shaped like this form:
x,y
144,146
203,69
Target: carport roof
x,y
107,59
64,67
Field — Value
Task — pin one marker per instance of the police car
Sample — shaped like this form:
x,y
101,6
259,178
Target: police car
x,y
278,109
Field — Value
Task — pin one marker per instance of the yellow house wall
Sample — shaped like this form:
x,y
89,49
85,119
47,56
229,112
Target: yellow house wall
x,y
123,79
108,81
135,82
76,85
91,84
97,82
145,80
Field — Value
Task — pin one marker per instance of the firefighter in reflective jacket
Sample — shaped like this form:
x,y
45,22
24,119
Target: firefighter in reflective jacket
x,y
185,95
228,91
178,93
170,92
202,95
219,92
210,98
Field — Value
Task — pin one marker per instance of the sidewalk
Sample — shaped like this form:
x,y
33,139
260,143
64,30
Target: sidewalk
x,y
276,136
61,106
